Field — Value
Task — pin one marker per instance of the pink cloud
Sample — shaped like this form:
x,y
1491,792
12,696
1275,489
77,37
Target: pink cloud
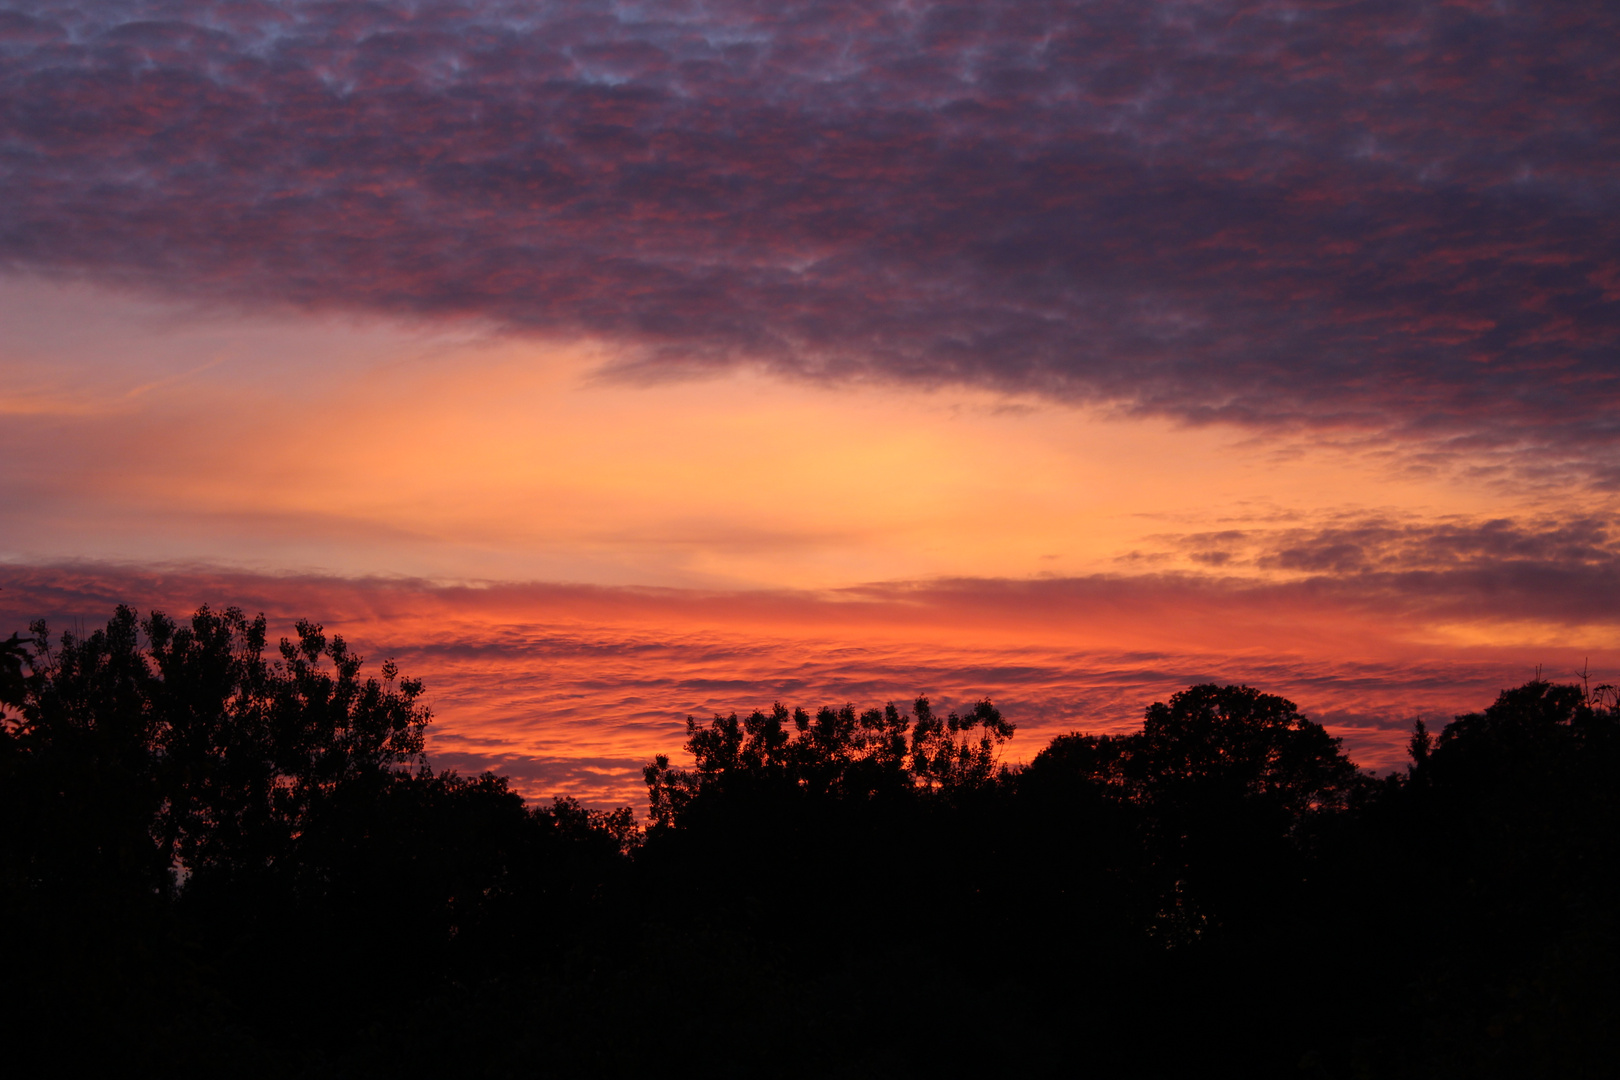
x,y
571,689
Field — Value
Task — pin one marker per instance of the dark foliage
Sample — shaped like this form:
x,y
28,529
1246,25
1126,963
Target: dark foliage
x,y
216,861
209,854
1503,842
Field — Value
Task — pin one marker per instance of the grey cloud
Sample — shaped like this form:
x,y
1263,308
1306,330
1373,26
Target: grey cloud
x,y
1320,214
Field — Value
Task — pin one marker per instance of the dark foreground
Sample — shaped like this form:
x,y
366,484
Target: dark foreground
x,y
217,864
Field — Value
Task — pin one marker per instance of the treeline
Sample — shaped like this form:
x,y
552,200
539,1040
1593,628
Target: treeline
x,y
218,862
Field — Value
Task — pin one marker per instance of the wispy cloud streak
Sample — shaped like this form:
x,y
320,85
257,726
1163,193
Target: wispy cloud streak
x,y
571,689
1313,213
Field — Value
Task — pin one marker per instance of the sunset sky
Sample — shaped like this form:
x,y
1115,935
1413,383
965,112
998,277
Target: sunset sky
x,y
610,362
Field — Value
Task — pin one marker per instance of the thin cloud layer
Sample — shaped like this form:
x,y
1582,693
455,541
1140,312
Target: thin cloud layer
x,y
571,689
1498,549
1396,216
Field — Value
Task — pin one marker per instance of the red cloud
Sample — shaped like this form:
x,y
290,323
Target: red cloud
x,y
572,688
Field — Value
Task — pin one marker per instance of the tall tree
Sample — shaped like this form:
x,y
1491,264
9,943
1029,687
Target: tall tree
x,y
1227,781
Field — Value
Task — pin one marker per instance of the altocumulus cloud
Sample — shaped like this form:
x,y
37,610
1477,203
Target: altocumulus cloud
x,y
1397,216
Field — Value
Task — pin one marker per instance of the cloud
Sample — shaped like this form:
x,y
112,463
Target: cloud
x,y
571,689
1560,571
1318,214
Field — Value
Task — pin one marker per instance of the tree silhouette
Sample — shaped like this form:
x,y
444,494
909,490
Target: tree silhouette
x,y
1226,781
835,754
1510,825
13,654
218,856
170,792
198,752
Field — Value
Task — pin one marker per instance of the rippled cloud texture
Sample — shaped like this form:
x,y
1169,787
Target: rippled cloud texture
x,y
1396,216
606,362
571,689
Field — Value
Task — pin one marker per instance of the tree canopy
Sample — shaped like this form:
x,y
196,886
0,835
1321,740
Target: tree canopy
x,y
836,753
1215,745
219,855
205,754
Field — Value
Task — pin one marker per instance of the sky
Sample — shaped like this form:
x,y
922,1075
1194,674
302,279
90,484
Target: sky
x,y
607,363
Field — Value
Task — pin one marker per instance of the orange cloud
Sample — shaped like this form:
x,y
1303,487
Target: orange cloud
x,y
572,688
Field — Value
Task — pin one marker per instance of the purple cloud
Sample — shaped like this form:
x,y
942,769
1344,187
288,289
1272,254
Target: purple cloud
x,y
1401,216
1371,543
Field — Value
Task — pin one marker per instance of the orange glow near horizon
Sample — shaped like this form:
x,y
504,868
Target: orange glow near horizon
x,y
574,563
571,689
467,457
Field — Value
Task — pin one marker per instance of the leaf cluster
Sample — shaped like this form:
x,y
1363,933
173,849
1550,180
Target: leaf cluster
x,y
225,753
835,754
